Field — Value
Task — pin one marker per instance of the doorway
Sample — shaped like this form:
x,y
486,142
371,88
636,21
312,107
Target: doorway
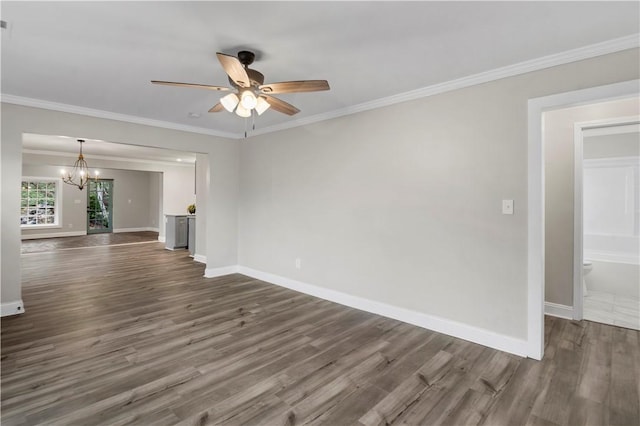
x,y
536,196
100,206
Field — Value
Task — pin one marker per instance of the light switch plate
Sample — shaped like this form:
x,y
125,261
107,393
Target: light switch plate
x,y
507,206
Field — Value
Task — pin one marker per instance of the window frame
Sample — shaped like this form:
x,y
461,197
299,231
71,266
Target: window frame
x,y
57,214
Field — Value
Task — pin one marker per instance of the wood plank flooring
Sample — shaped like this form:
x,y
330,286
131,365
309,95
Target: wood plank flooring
x,y
40,245
135,335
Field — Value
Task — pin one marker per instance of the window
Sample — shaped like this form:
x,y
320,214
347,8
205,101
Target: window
x,y
40,203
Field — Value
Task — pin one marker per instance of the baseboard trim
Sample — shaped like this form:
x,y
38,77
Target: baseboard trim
x,y
11,308
200,258
441,325
161,239
120,230
558,310
53,235
219,272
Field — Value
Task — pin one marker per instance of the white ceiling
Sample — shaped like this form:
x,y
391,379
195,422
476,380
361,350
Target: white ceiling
x,y
101,55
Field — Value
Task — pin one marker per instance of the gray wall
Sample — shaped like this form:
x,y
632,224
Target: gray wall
x,y
155,199
607,146
133,203
559,170
402,204
202,172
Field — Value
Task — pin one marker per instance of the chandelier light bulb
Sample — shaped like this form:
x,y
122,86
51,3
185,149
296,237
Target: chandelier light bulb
x,y
242,111
248,100
230,101
262,105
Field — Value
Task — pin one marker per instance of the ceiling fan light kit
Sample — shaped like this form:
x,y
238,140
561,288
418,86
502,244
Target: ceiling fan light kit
x,y
242,111
251,94
248,99
261,105
230,101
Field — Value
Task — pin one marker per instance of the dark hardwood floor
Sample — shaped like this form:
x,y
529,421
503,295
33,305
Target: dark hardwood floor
x,y
41,245
135,335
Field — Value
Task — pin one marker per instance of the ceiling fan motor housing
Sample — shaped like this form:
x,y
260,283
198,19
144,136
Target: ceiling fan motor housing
x,y
255,77
246,58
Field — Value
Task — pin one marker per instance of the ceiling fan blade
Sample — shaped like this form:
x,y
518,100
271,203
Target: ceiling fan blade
x,y
216,108
234,69
196,86
280,105
295,86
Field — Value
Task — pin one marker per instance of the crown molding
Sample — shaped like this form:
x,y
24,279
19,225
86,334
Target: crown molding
x,y
108,157
55,106
586,52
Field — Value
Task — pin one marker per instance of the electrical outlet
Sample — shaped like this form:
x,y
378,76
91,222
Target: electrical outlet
x,y
298,263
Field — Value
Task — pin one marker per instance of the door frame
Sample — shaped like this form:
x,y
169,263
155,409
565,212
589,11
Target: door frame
x,y
535,195
110,207
579,130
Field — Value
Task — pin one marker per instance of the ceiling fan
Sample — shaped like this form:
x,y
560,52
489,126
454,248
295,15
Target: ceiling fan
x,y
251,94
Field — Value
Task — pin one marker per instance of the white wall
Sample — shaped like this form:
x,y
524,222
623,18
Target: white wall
x,y
559,172
178,190
222,190
402,205
611,214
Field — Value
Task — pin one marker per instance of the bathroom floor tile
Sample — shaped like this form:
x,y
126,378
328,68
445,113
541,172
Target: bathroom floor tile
x,y
600,296
627,303
612,309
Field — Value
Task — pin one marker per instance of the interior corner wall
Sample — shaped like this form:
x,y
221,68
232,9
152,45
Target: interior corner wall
x,y
402,205
559,194
222,191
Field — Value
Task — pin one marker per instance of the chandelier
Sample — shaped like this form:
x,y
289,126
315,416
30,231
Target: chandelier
x,y
79,174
